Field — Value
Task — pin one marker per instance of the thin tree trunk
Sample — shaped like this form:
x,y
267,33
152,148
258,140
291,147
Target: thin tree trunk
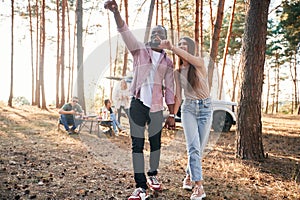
x,y
172,29
268,92
211,18
148,26
295,80
73,57
80,67
69,52
42,57
229,31
57,101
62,53
126,51
110,56
236,79
157,11
31,56
161,11
177,19
12,56
249,126
215,42
196,32
277,84
201,28
37,84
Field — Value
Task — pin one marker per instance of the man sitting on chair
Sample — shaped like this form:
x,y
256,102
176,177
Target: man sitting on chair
x,y
68,114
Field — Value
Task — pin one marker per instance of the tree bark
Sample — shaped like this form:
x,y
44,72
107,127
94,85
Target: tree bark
x,y
37,84
148,26
62,54
215,41
69,53
196,31
126,50
229,31
42,56
12,56
249,127
31,55
177,19
57,100
80,67
172,29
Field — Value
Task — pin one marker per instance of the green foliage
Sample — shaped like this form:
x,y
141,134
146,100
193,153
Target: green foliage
x,y
290,22
237,30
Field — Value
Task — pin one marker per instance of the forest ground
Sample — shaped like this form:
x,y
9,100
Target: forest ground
x,y
37,161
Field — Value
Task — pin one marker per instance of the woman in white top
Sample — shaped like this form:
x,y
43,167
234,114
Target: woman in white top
x,y
196,110
122,99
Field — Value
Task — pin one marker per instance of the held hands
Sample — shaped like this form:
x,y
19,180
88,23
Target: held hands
x,y
170,123
111,5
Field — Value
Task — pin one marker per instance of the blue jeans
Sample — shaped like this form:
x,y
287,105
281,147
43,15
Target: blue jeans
x,y
196,120
67,121
115,123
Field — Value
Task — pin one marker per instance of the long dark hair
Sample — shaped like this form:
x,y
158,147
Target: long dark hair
x,y
192,76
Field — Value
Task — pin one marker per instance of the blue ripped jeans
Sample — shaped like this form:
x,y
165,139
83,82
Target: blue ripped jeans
x,y
196,120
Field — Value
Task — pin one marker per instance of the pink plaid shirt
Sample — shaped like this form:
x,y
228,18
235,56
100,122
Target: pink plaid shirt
x,y
142,64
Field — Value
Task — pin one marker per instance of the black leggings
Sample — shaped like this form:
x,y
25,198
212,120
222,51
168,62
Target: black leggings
x,y
139,117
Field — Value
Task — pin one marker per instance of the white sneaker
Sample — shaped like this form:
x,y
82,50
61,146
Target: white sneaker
x,y
187,183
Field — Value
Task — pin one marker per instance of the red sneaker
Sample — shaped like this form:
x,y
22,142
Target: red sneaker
x,y
153,183
139,194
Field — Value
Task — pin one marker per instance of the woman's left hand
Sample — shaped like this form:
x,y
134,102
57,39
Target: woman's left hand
x,y
165,44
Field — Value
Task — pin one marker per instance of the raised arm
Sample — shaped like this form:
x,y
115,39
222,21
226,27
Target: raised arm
x,y
197,61
130,40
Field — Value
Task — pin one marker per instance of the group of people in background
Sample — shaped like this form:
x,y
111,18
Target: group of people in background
x,y
156,79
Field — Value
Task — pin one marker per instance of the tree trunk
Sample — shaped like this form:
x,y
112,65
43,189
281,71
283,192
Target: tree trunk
x,y
235,79
42,56
268,92
229,31
80,67
162,11
177,19
277,82
37,84
215,42
157,11
57,101
211,18
196,31
126,50
31,55
201,28
295,81
73,57
110,57
172,29
12,56
62,54
148,26
249,127
69,52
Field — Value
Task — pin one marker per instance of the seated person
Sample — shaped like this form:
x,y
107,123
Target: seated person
x,y
107,108
68,114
